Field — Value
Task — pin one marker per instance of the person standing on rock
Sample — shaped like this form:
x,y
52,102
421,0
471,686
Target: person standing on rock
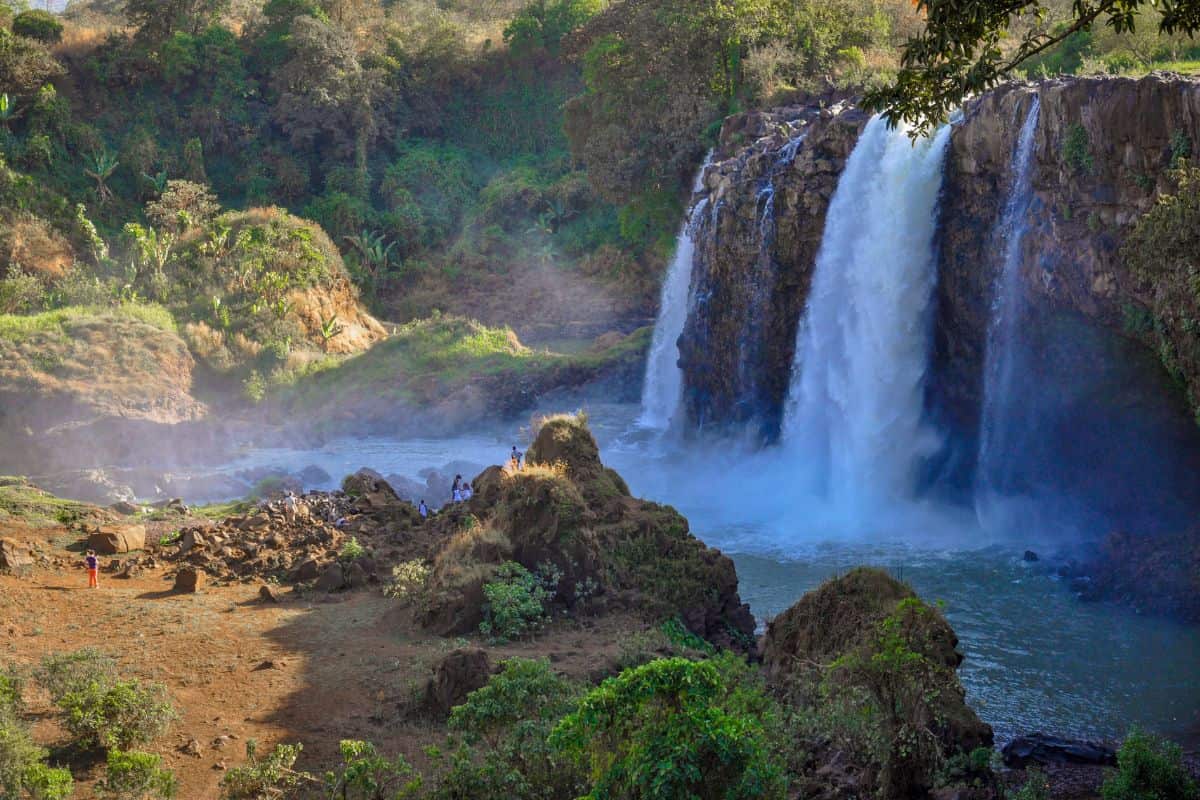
x,y
515,458
423,510
456,489
289,508
93,568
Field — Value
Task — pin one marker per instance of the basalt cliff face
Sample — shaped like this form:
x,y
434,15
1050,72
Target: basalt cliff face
x,y
756,243
1097,382
1106,401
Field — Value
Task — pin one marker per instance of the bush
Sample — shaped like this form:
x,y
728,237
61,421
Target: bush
x,y
11,692
20,294
63,673
514,715
675,728
43,782
1149,768
37,24
516,603
351,550
409,581
117,714
266,779
136,776
1077,150
366,775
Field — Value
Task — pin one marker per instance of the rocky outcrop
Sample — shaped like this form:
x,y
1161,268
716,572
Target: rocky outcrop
x,y
568,514
757,238
1103,148
865,638
1157,574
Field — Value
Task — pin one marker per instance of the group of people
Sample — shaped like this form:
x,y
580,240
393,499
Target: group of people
x,y
460,490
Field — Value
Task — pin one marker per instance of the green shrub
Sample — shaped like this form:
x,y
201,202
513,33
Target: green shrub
x,y
516,603
1036,786
43,782
62,673
37,24
1077,150
117,714
351,550
506,726
20,294
136,776
674,728
270,778
1181,148
366,775
408,581
12,689
1149,768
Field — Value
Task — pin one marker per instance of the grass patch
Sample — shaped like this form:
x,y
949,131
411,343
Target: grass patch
x,y
22,501
56,323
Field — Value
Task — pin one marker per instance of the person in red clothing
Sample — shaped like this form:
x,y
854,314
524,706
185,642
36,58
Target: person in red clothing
x,y
93,568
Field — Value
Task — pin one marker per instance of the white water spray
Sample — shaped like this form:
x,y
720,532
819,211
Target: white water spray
x,y
997,416
853,424
662,390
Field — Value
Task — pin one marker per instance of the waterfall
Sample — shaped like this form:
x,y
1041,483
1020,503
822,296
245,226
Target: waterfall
x,y
853,426
662,389
999,413
762,281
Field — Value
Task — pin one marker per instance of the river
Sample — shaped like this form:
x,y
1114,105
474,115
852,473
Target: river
x,y
1036,657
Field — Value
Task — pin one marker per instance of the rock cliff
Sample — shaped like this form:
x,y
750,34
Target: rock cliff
x,y
1103,151
756,243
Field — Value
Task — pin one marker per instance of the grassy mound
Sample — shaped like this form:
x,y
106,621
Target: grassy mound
x,y
125,360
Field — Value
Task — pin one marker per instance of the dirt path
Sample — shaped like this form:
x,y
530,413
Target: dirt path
x,y
305,669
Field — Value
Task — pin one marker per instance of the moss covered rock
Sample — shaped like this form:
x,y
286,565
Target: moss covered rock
x,y
865,643
567,515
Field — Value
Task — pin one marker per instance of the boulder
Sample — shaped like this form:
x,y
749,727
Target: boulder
x,y
189,580
110,540
332,578
313,476
267,594
1030,556
354,575
14,555
458,674
308,570
125,508
1040,748
369,490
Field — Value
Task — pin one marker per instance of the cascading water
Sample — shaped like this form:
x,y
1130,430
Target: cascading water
x,y
999,414
662,388
853,426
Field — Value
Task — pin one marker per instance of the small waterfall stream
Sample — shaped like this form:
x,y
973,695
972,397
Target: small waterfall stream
x,y
999,416
662,388
853,426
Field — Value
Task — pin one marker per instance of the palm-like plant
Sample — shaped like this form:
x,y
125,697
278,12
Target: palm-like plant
x,y
374,251
100,168
157,181
330,329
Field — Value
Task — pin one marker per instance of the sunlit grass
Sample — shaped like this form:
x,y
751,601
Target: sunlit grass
x,y
18,327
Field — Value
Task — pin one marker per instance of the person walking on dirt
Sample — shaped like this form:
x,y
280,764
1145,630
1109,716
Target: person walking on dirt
x,y
93,568
290,507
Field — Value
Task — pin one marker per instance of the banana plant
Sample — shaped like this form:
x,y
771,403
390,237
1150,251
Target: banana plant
x,y
374,251
100,168
157,182
330,329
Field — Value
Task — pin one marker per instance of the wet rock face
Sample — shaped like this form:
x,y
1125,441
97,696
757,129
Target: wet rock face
x,y
1103,148
757,237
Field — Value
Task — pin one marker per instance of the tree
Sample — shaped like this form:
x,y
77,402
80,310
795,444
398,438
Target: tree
x,y
25,64
542,24
40,25
325,94
963,48
157,20
674,728
658,73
